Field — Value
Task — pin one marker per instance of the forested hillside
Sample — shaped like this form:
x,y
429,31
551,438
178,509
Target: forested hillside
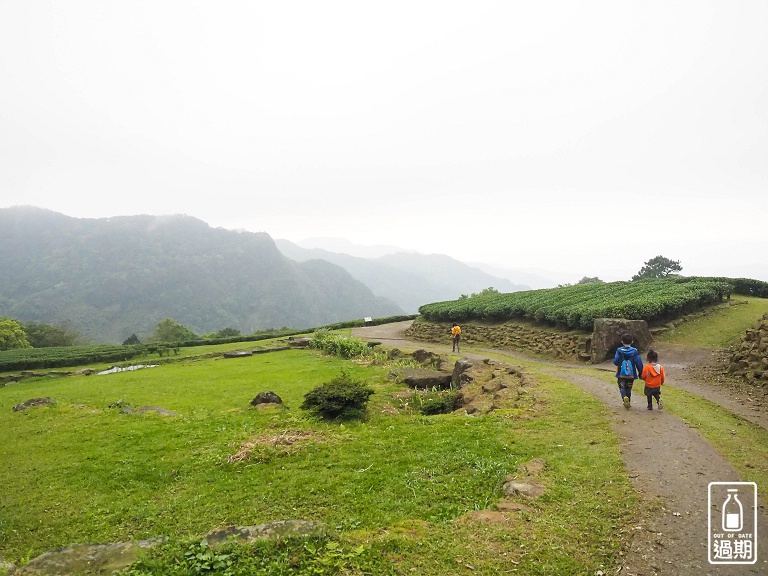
x,y
113,277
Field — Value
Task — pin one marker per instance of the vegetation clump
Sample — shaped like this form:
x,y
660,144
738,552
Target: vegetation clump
x,y
343,397
338,345
442,402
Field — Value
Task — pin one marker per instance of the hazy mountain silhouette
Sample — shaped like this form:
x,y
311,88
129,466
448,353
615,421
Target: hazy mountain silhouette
x,y
112,277
408,278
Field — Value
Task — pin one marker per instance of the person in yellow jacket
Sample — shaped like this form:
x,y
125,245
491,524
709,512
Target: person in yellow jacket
x,y
456,337
654,376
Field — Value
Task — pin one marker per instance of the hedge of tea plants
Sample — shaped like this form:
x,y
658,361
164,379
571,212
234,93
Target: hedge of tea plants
x,y
576,307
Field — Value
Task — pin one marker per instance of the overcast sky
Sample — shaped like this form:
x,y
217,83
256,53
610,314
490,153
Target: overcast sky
x,y
585,137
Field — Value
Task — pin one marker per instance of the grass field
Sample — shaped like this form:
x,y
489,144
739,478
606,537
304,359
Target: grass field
x,y
403,486
400,492
721,326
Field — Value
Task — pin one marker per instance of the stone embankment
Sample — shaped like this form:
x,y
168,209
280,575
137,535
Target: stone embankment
x,y
514,336
750,358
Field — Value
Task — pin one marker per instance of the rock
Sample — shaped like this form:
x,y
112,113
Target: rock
x,y
423,379
300,342
271,531
238,354
423,357
530,489
156,409
459,369
606,336
266,398
93,558
33,403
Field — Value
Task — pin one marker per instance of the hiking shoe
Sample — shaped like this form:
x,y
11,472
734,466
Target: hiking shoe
x,y
626,402
650,406
660,404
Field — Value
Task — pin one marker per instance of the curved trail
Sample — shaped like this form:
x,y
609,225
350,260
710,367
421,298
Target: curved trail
x,y
669,463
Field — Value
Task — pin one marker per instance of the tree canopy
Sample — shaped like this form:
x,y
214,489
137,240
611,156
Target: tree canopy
x,y
12,335
168,330
44,335
658,267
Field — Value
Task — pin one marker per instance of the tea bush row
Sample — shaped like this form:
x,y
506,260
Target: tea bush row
x,y
576,307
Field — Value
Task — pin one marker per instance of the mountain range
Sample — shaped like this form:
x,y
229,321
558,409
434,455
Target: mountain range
x,y
112,277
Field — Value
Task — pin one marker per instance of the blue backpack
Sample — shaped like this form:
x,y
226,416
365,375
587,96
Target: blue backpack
x,y
627,369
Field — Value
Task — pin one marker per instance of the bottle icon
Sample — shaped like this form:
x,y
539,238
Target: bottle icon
x,y
733,512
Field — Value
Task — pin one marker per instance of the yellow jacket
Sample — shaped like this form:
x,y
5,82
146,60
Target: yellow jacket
x,y
455,331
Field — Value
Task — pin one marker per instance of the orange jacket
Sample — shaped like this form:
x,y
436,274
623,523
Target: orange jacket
x,y
653,374
455,331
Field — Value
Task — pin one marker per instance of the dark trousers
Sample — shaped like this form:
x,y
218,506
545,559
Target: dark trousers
x,y
652,393
456,345
625,387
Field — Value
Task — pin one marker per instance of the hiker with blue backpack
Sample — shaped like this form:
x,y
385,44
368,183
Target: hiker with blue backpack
x,y
629,366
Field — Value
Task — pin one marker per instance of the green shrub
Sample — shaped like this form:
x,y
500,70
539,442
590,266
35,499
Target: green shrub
x,y
338,345
440,402
342,397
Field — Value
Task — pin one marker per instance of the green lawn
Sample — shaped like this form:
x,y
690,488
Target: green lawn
x,y
721,326
399,485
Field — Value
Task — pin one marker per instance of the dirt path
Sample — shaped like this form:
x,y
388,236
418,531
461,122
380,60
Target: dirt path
x,y
670,463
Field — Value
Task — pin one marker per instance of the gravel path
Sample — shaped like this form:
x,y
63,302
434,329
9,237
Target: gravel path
x,y
670,463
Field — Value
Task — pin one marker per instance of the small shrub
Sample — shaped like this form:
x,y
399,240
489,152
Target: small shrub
x,y
440,403
338,345
342,397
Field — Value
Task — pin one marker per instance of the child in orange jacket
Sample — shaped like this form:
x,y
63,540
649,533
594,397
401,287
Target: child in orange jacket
x,y
653,375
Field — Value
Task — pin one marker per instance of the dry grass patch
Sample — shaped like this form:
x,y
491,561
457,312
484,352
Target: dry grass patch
x,y
266,446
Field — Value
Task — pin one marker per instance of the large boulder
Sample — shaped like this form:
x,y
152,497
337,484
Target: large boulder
x,y
423,379
87,558
33,403
606,336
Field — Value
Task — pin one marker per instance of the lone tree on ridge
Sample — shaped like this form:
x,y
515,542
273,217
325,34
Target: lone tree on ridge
x,y
658,267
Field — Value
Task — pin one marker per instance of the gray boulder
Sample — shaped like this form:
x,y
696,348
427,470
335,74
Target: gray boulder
x,y
424,379
606,336
33,403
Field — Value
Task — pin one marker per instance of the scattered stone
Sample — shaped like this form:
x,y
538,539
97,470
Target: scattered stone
x,y
300,342
270,531
459,377
238,354
93,558
423,357
33,403
532,490
266,398
424,379
156,409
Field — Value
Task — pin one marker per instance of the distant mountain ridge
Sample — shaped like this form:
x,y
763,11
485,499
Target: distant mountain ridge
x,y
408,278
112,277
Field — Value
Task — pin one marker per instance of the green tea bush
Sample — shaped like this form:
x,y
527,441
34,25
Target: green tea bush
x,y
342,397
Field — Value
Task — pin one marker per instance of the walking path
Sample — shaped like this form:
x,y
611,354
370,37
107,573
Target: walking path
x,y
670,463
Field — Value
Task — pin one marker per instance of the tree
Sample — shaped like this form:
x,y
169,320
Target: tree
x,y
169,330
588,280
131,340
45,336
226,333
658,267
12,335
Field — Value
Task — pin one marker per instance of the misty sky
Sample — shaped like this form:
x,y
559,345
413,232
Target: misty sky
x,y
585,137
